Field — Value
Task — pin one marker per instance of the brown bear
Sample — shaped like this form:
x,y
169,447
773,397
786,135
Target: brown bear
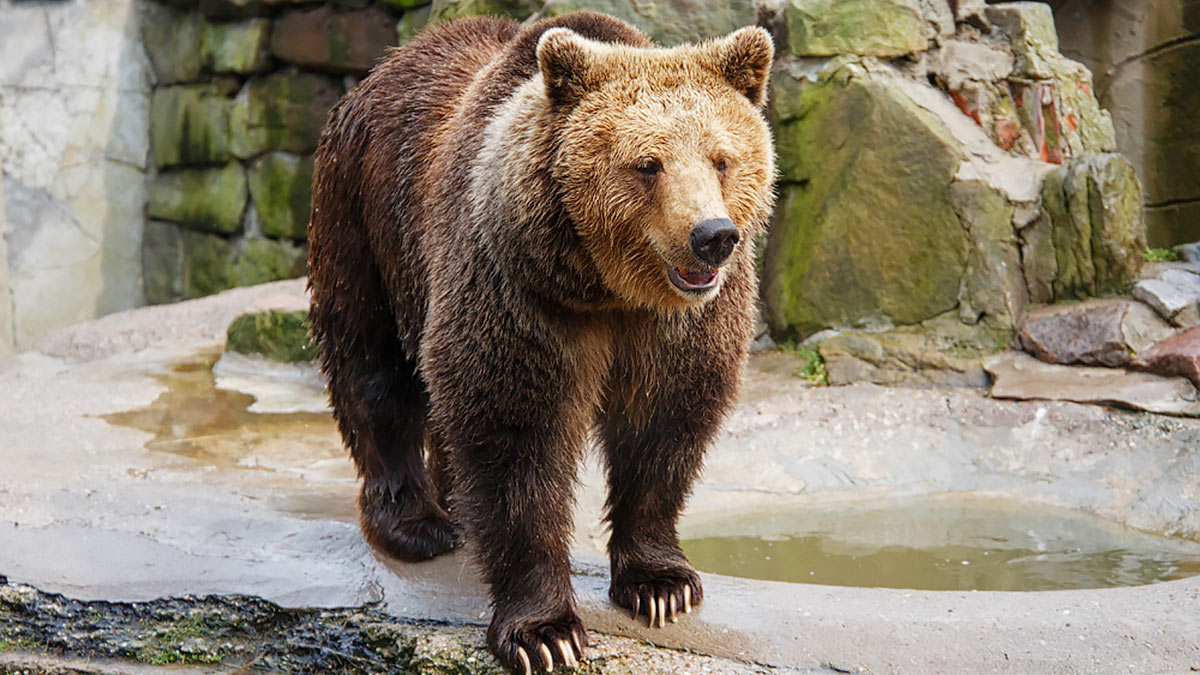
x,y
520,236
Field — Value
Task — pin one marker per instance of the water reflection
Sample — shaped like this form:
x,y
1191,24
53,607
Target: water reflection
x,y
942,543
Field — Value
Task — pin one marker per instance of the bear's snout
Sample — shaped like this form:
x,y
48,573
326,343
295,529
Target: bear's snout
x,y
713,240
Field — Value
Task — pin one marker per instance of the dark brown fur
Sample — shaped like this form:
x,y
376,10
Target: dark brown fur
x,y
494,347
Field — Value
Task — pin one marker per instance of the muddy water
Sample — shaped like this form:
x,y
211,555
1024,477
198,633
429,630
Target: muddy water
x,y
216,428
937,543
941,543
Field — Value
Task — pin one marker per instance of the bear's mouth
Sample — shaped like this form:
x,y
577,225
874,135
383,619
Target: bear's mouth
x,y
691,281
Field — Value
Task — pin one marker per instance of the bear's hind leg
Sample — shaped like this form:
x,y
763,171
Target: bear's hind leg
x,y
381,406
400,509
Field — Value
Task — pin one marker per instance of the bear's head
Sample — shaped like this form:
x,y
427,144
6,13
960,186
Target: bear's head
x,y
664,160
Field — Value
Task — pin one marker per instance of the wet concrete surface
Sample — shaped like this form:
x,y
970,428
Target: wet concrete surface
x,y
97,502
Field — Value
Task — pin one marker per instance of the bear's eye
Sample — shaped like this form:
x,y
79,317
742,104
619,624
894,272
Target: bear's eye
x,y
649,167
722,165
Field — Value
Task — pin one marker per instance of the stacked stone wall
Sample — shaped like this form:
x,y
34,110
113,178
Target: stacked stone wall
x,y
243,88
1146,57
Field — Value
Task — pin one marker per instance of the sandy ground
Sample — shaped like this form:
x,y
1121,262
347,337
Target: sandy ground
x,y
96,510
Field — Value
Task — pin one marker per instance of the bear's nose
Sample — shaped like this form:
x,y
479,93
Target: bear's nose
x,y
713,240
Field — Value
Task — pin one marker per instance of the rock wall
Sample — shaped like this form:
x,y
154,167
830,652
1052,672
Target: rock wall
x,y
242,91
1146,57
74,107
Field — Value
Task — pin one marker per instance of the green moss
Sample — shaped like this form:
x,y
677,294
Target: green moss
x,y
867,27
263,260
209,199
411,23
856,241
281,188
812,366
276,334
179,642
20,644
1159,255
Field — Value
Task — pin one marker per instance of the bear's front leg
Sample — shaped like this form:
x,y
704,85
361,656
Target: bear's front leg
x,y
667,397
509,403
650,475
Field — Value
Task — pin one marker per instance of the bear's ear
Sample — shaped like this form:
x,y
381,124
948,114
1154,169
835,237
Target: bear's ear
x,y
565,60
744,58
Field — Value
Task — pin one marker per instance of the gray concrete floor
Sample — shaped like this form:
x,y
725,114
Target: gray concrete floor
x,y
88,510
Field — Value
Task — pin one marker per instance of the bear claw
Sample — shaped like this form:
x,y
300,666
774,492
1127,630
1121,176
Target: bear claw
x,y
659,602
540,649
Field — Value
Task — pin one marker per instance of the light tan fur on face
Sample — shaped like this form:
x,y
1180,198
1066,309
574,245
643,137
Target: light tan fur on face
x,y
689,108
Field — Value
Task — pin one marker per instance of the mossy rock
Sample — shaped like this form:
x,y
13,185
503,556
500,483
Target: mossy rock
x,y
263,260
865,27
173,40
865,234
284,111
1094,205
209,199
339,42
1029,28
280,335
189,124
162,262
241,47
281,189
669,22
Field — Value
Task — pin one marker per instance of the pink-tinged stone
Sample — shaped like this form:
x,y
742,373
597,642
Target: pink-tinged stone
x,y
333,41
1177,355
1096,332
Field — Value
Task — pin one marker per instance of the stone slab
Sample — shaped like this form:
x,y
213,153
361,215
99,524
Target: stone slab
x,y
1022,377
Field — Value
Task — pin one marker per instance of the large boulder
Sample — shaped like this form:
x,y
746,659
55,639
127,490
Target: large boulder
x,y
866,232
1095,207
865,27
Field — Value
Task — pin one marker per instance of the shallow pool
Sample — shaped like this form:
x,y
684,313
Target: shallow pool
x,y
946,542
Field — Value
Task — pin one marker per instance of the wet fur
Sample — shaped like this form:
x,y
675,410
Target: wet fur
x,y
478,314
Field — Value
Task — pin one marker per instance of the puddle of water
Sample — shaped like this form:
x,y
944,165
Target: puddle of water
x,y
942,543
195,419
